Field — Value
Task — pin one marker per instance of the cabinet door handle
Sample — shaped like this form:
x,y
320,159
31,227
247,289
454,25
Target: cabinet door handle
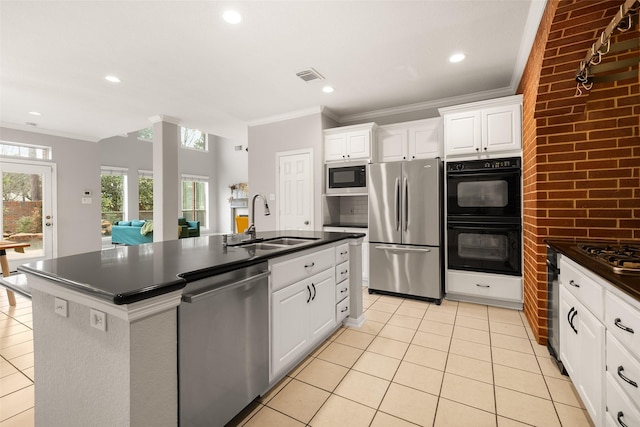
x,y
482,286
619,324
574,284
620,415
314,292
309,265
575,313
625,378
477,149
309,298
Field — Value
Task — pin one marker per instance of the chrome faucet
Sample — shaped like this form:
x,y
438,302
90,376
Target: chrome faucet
x,y
251,231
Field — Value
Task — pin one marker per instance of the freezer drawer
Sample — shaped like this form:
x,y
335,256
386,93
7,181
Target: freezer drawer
x,y
409,270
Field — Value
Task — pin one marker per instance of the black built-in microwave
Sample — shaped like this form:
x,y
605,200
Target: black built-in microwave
x,y
346,178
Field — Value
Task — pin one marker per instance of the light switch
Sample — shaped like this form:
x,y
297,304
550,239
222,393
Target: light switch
x,y
98,319
60,307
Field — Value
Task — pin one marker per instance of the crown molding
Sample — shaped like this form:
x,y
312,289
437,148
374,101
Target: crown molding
x,y
43,131
536,10
287,116
162,118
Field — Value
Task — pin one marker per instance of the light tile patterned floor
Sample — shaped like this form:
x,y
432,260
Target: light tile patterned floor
x,y
411,363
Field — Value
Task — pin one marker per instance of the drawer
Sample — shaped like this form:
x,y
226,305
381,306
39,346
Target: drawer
x,y
623,321
587,290
342,291
287,272
624,369
342,272
342,253
342,310
619,409
485,285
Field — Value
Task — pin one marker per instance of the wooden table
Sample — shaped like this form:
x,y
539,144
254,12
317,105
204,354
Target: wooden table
x,y
4,262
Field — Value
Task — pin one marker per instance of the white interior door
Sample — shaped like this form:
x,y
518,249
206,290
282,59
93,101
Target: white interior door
x,y
295,191
28,207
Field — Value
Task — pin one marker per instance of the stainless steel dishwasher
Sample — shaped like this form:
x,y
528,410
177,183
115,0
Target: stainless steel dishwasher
x,y
223,345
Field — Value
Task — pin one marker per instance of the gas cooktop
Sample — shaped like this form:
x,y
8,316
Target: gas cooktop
x,y
622,258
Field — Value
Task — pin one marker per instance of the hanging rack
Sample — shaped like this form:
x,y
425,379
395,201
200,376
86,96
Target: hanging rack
x,y
603,46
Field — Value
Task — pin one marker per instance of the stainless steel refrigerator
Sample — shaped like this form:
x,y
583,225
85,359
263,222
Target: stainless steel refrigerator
x,y
405,228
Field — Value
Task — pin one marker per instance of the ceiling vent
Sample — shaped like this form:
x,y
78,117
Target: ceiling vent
x,y
309,75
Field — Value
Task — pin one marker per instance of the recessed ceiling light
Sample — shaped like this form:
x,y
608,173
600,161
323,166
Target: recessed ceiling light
x,y
328,89
232,17
31,124
456,57
112,79
35,113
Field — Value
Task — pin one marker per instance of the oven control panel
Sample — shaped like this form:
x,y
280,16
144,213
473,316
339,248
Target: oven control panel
x,y
476,165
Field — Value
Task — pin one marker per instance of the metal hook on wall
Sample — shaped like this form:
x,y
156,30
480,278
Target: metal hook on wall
x,y
602,43
593,56
621,28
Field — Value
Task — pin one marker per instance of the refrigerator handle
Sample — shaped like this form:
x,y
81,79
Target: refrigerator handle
x,y
406,204
397,197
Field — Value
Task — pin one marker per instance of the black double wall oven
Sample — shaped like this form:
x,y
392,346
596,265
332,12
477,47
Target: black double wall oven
x,y
484,216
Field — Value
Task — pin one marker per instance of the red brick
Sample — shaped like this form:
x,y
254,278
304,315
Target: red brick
x,y
597,183
598,223
597,203
610,213
610,233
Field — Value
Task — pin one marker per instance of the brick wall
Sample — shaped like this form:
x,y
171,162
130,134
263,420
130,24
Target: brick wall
x,y
581,154
13,211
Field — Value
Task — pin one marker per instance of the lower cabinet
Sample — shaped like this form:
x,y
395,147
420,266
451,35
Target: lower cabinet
x,y
302,314
582,352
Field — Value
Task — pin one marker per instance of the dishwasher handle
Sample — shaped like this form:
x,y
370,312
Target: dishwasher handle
x,y
191,298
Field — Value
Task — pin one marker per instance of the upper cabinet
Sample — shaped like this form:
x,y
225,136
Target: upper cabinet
x,y
420,139
349,143
483,128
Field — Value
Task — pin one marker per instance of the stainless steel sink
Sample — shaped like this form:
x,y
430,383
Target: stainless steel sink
x,y
289,241
274,243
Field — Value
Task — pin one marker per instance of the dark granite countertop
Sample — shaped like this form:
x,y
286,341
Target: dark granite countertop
x,y
628,283
127,274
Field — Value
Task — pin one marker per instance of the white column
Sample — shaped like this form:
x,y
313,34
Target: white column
x,y
166,178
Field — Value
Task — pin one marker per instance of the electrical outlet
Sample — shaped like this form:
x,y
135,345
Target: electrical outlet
x,y
98,320
60,307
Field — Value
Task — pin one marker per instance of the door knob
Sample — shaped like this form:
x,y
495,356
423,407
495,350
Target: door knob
x,y
306,223
48,217
48,224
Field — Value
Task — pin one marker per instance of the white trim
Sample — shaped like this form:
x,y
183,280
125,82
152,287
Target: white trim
x,y
354,323
196,178
311,179
128,312
113,170
50,132
287,116
536,10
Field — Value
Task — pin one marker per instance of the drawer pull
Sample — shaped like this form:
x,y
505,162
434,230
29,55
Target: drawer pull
x,y
309,265
343,253
619,324
344,290
344,309
482,286
625,378
574,284
620,415
342,273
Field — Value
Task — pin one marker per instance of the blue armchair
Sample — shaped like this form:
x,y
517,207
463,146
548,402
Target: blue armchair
x,y
189,228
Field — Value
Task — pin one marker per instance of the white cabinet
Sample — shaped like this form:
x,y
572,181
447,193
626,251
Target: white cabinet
x,y
582,336
302,314
420,139
349,143
483,128
365,247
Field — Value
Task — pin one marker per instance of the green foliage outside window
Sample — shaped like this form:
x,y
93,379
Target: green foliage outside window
x,y
193,138
112,201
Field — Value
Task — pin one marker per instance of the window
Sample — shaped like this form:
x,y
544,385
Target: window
x,y
193,138
113,201
145,134
145,194
194,198
14,149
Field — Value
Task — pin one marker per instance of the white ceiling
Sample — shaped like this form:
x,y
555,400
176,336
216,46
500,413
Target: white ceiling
x,y
179,59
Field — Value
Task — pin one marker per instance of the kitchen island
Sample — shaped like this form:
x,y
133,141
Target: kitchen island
x,y
106,323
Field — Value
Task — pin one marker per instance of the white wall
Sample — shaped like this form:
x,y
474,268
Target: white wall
x,y
78,169
232,167
287,135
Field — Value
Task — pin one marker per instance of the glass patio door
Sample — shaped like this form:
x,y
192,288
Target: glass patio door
x,y
28,209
